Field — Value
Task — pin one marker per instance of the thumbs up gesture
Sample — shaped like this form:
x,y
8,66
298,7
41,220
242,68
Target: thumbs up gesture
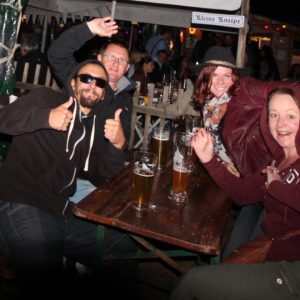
x,y
113,130
60,117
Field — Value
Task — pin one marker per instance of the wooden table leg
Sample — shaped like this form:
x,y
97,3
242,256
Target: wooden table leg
x,y
159,253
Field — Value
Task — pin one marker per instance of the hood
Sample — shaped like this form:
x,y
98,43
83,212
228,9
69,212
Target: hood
x,y
71,148
123,84
108,91
272,145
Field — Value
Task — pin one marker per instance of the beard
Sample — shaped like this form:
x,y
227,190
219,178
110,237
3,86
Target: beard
x,y
89,98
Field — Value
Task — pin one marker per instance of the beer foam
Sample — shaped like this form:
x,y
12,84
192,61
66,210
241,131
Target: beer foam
x,y
161,136
144,169
181,169
178,158
144,173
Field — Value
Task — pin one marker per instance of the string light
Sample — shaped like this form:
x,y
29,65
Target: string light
x,y
192,30
171,45
276,27
181,36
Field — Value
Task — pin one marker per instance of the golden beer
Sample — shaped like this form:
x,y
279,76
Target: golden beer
x,y
142,187
180,180
194,158
160,148
182,152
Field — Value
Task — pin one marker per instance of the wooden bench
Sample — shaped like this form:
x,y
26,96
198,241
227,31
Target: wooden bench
x,y
22,87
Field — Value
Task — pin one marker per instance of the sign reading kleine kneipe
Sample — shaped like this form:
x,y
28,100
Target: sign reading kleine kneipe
x,y
218,19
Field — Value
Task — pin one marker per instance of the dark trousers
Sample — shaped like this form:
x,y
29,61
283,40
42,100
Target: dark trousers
x,y
269,281
246,227
37,241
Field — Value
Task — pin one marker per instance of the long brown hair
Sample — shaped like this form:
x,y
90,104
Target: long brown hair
x,y
203,84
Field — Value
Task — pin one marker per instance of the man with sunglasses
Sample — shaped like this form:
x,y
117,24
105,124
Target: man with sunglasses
x,y
54,138
115,58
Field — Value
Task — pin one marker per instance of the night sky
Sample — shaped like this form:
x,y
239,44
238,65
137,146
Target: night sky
x,y
286,10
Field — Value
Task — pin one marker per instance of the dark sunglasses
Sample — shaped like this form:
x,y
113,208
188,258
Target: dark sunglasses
x,y
86,78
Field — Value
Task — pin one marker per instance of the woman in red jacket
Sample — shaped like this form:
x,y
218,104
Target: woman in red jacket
x,y
231,108
277,185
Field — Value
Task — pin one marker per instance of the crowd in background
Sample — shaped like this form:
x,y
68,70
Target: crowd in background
x,y
158,60
155,56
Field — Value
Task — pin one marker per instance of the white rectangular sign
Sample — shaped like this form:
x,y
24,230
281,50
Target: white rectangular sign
x,y
218,19
228,5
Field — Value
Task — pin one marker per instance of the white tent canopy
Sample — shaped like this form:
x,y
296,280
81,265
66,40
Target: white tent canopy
x,y
162,12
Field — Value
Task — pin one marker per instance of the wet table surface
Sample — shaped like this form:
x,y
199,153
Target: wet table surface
x,y
197,226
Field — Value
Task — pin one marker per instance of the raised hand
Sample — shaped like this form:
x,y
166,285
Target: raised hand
x,y
272,174
203,144
113,130
60,117
103,26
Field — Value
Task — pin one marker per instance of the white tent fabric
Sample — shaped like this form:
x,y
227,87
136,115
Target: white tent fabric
x,y
177,13
229,5
162,12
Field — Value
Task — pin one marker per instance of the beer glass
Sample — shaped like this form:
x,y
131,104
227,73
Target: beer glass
x,y
192,123
182,152
144,167
157,96
159,145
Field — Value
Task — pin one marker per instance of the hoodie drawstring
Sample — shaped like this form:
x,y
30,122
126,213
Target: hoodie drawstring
x,y
70,132
86,166
71,125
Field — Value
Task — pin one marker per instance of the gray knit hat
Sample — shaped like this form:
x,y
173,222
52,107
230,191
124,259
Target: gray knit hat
x,y
219,56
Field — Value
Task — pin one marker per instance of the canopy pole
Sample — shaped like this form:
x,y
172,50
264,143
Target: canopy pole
x,y
241,50
45,27
130,39
113,10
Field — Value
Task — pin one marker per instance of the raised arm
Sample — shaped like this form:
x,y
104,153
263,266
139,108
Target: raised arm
x,y
61,52
241,191
104,27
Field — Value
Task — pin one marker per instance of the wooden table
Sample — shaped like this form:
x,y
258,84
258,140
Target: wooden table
x,y
198,226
